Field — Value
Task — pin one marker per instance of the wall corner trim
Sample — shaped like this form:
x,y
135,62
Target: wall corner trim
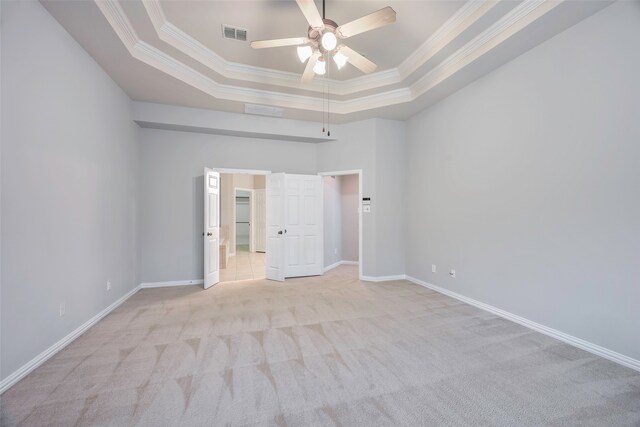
x,y
188,282
569,339
28,367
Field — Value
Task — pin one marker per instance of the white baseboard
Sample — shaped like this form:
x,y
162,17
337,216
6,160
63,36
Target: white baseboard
x,y
173,283
569,339
28,367
383,278
339,263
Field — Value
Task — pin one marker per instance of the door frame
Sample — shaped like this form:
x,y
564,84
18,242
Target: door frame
x,y
359,173
235,230
253,230
243,171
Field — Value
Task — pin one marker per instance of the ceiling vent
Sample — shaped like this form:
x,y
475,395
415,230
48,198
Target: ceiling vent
x,y
263,110
234,33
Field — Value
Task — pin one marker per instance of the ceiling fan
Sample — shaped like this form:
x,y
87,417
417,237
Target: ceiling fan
x,y
323,37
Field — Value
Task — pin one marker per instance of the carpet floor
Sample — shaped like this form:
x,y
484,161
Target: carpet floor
x,y
321,351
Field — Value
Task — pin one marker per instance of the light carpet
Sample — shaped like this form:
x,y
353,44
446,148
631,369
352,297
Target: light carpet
x,y
323,351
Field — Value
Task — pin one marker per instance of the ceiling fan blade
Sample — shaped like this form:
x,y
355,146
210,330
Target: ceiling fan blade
x,y
367,23
294,41
357,60
308,74
310,11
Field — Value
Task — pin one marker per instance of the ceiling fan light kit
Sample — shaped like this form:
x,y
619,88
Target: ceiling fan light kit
x,y
329,41
339,59
323,37
304,53
321,43
320,68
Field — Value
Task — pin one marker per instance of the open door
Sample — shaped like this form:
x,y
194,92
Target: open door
x,y
211,228
303,224
276,226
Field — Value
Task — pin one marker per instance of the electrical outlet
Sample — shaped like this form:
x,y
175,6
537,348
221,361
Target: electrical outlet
x,y
62,309
108,285
433,268
452,273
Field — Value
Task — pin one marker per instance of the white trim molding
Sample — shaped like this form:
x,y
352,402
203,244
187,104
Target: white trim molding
x,y
149,285
461,20
28,367
338,264
569,339
377,279
517,19
245,171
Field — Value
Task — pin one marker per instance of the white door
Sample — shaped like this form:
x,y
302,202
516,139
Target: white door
x,y
303,229
211,228
275,224
259,220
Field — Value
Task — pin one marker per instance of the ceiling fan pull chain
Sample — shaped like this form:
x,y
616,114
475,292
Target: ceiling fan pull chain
x,y
326,56
323,96
328,96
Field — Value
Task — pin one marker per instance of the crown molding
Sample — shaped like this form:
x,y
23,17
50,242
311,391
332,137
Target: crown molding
x,y
119,22
521,16
466,16
178,39
461,20
514,21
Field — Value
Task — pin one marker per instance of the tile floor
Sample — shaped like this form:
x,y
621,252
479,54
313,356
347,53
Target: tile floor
x,y
244,265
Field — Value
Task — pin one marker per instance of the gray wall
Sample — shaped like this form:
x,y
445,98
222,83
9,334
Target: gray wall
x,y
332,220
171,189
69,170
356,150
527,182
171,199
349,217
391,194
378,148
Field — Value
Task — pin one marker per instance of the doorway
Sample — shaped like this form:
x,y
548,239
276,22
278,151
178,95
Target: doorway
x,y
343,219
242,227
285,237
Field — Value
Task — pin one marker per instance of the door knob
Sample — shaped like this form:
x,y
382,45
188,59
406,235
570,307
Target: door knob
x,y
209,234
280,232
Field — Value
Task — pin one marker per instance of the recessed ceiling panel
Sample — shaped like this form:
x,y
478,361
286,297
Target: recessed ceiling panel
x,y
387,46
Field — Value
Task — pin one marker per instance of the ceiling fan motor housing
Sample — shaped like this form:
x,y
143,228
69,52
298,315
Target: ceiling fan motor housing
x,y
315,34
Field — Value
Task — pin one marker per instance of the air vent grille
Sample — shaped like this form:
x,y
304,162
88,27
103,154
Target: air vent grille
x,y
241,34
234,33
263,110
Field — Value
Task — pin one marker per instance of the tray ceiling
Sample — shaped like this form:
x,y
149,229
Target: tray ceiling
x,y
173,51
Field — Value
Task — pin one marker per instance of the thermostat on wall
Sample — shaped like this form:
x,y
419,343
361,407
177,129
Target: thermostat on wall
x,y
366,204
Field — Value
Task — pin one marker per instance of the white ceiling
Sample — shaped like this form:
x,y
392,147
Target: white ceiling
x,y
173,52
